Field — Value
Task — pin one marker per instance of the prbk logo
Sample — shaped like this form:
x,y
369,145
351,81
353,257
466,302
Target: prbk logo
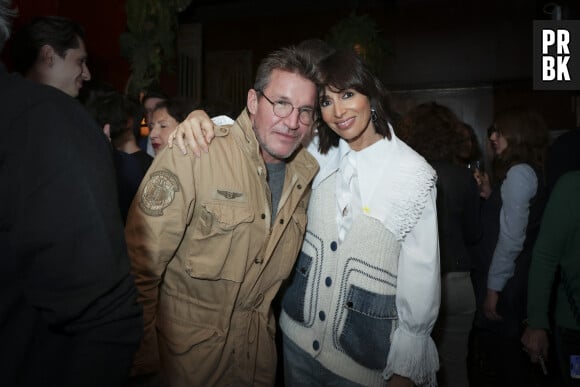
x,y
557,55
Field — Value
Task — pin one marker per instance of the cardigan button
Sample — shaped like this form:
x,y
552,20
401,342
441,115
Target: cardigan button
x,y
328,281
316,345
322,315
333,246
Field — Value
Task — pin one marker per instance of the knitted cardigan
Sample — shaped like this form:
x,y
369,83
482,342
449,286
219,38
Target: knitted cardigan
x,y
340,306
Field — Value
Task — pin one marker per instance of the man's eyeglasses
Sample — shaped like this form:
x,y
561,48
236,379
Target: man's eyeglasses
x,y
283,109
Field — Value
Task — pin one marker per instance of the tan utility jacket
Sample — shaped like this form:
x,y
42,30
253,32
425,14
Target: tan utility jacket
x,y
208,263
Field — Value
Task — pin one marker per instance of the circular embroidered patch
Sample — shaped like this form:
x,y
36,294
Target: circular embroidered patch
x,y
158,193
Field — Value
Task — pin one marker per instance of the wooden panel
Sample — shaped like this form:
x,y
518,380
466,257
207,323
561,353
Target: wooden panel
x,y
228,77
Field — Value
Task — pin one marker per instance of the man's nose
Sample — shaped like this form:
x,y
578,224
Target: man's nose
x,y
86,75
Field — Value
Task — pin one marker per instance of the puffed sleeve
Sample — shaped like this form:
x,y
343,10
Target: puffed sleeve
x,y
155,226
413,353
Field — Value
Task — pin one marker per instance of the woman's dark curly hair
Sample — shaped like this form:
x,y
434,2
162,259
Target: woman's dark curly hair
x,y
432,130
343,70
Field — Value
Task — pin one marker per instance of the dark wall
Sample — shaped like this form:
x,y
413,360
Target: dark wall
x,y
434,43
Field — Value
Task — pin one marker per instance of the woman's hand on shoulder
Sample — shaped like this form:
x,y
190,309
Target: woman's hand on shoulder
x,y
196,131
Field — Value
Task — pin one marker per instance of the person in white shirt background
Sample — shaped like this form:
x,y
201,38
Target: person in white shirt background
x,y
365,294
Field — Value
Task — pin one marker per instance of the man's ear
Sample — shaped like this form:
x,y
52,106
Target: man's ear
x,y
252,102
47,54
107,131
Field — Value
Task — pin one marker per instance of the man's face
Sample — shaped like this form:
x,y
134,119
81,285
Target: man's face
x,y
280,137
69,73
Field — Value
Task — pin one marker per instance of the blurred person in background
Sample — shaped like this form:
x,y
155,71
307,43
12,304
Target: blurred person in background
x,y
68,311
150,99
51,50
435,132
555,261
500,273
164,118
115,114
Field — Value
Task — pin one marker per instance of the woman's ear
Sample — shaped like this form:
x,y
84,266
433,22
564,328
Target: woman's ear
x,y
107,131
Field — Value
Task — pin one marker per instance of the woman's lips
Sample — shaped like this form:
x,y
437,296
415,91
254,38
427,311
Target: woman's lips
x,y
346,123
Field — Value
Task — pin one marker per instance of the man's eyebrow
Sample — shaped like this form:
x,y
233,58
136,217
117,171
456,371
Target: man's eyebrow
x,y
283,98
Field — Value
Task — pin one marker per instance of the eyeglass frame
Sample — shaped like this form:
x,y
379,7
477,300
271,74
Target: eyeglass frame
x,y
300,109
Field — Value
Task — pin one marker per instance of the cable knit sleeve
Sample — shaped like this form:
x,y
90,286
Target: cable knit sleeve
x,y
413,353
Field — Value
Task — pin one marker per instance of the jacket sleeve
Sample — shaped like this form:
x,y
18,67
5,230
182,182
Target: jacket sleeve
x,y
413,353
559,222
155,226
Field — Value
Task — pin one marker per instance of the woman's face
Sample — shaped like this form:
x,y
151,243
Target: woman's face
x,y
498,142
161,125
348,114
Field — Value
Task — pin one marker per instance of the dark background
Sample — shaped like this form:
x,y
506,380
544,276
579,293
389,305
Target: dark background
x,y
476,56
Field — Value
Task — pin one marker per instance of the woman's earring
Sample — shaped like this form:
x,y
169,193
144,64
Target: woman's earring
x,y
373,115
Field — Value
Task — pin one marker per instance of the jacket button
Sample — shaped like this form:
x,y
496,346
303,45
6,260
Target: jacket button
x,y
299,186
349,304
263,216
281,221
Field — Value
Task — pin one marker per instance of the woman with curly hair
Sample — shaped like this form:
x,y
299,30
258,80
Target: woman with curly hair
x,y
436,133
500,276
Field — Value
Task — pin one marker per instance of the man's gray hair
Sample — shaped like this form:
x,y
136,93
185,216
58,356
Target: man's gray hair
x,y
6,15
288,59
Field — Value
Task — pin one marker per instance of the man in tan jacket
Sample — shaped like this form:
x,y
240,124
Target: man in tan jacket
x,y
212,238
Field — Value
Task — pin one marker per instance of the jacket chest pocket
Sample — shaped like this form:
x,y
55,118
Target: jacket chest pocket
x,y
366,334
221,241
